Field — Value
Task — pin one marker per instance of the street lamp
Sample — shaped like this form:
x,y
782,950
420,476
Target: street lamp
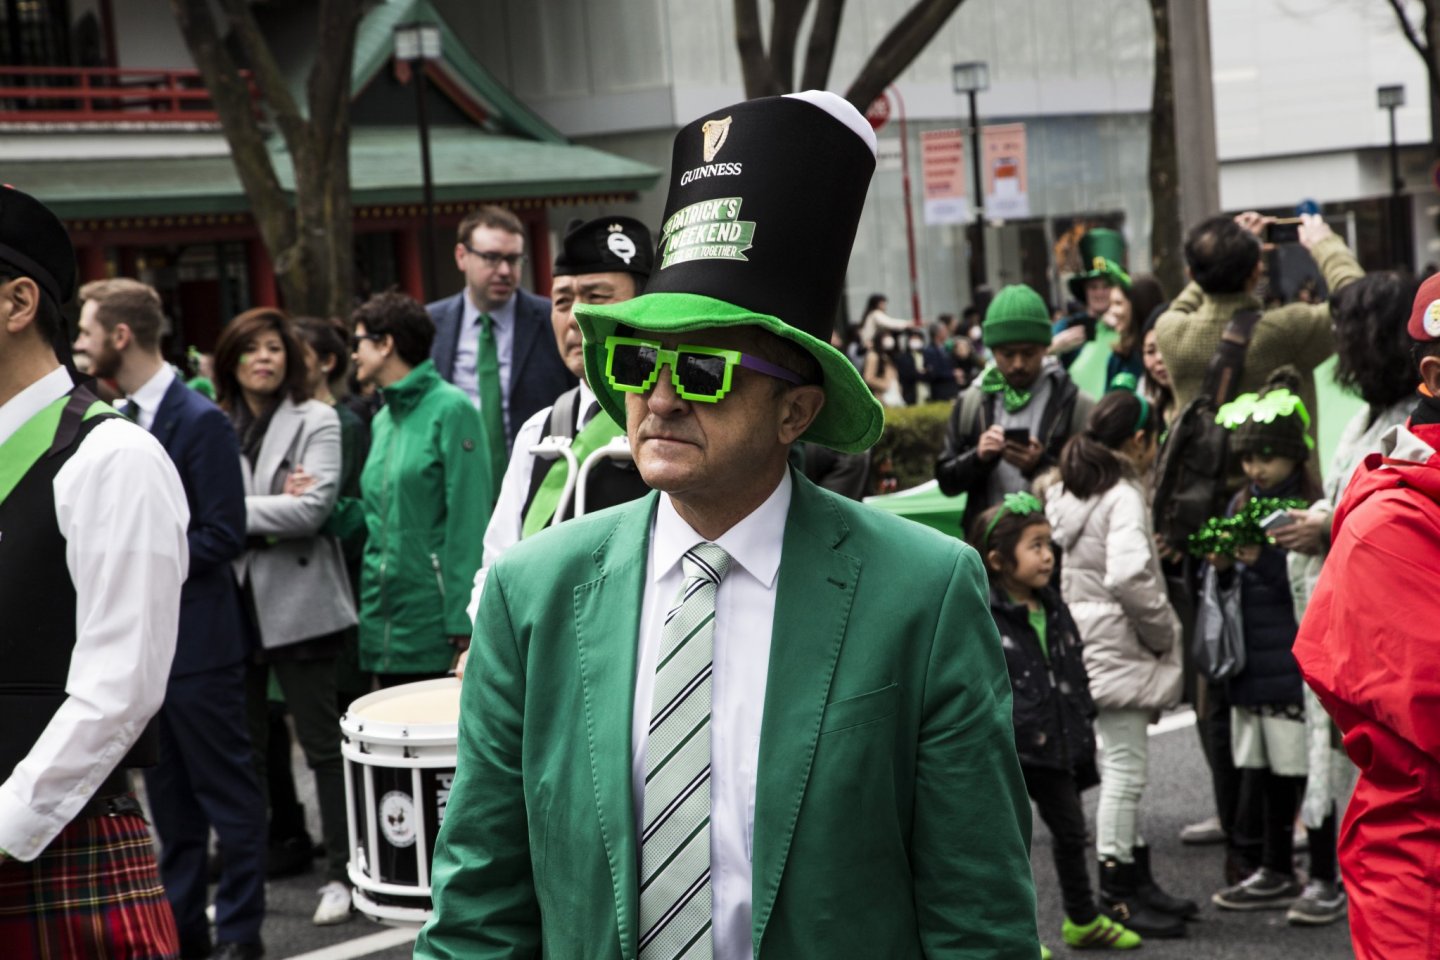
x,y
1392,98
970,79
416,43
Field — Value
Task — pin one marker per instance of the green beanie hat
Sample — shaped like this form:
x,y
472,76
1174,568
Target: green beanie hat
x,y
1016,315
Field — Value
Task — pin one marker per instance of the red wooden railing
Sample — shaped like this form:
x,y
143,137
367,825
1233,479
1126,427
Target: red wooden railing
x,y
103,95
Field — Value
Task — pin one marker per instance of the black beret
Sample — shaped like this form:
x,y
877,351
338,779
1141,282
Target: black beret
x,y
34,242
606,245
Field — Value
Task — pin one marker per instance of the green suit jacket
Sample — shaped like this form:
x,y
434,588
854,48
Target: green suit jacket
x,y
891,820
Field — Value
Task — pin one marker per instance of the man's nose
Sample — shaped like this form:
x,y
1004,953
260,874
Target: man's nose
x,y
663,397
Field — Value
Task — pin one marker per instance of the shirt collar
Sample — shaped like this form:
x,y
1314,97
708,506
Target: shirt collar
x,y
501,316
754,543
33,399
152,393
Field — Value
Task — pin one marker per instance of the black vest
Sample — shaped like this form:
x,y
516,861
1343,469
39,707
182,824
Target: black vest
x,y
609,483
37,597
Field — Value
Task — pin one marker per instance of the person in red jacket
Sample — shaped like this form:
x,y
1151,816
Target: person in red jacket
x,y
1369,649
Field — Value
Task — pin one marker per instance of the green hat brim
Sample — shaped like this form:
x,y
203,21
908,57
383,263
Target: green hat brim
x,y
851,419
1112,273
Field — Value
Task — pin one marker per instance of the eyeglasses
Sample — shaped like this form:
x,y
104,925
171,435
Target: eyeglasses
x,y
699,373
512,260
360,338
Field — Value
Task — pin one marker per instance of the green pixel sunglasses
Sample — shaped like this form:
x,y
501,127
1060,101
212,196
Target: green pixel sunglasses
x,y
700,374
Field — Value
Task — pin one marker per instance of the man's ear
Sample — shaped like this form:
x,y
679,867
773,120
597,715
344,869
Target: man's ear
x,y
23,295
1430,374
122,335
799,408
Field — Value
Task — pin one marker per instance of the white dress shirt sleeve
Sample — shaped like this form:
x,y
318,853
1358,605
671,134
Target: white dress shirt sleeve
x,y
122,511
508,520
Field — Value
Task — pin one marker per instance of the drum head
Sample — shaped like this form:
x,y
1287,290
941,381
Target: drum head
x,y
428,710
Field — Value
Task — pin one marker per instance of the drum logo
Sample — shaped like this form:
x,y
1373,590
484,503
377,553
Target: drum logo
x,y
397,818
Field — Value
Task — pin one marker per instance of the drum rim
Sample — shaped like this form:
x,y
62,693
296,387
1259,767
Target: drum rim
x,y
388,731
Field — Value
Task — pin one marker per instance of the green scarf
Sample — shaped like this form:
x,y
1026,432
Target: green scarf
x,y
993,381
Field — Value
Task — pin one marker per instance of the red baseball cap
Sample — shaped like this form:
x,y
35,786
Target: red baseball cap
x,y
1425,314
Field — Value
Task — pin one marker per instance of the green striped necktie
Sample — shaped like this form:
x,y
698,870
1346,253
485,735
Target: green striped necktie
x,y
675,901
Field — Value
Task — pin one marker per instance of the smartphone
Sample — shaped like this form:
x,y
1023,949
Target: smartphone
x,y
1276,520
1019,435
1283,230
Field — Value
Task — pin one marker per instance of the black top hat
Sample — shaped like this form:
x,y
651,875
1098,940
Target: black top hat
x,y
765,197
606,245
34,242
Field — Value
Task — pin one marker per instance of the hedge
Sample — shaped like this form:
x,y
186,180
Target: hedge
x,y
911,443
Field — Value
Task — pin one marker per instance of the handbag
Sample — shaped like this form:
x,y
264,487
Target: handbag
x,y
1219,644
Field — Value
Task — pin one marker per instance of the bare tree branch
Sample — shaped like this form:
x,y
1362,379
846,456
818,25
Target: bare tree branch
x,y
267,73
754,65
230,93
785,19
1409,29
820,51
899,49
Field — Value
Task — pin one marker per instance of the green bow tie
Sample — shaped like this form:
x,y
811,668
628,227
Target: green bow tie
x,y
993,381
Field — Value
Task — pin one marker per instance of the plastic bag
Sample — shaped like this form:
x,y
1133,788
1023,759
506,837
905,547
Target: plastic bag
x,y
1219,644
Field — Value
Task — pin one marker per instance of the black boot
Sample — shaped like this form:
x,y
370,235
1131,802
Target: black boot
x,y
1120,899
1152,896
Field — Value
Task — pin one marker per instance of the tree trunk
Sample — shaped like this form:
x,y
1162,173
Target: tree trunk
x,y
1431,27
820,51
1166,260
754,63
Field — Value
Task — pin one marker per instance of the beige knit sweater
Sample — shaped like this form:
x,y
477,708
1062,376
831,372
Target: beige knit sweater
x,y
1297,333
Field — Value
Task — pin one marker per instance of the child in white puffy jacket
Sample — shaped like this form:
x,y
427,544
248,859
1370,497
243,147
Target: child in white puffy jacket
x,y
1111,580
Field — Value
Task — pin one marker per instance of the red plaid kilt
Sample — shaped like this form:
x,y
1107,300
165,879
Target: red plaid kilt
x,y
94,894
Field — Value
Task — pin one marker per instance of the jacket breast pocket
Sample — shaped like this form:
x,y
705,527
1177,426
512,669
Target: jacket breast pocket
x,y
865,708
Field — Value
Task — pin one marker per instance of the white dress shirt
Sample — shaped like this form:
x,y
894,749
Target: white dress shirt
x,y
744,618
508,520
467,351
149,397
122,511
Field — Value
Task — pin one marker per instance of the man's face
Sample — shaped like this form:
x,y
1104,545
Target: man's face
x,y
1097,296
1020,363
565,292
704,451
97,344
491,264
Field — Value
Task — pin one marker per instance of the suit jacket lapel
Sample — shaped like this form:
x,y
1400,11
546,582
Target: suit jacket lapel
x,y
275,448
607,630
527,330
812,610
167,416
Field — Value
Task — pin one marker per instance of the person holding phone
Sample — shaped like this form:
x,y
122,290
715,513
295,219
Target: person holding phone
x,y
1011,424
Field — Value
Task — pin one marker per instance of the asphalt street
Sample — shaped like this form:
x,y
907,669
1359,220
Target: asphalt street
x,y
1179,793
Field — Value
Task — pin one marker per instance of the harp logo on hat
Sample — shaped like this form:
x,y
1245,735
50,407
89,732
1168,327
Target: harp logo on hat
x,y
1432,319
620,245
716,133
708,230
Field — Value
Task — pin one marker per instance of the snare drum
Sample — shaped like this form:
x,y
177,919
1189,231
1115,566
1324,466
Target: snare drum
x,y
399,749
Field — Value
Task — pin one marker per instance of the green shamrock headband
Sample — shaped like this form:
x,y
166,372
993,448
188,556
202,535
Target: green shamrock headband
x,y
1020,504
1252,407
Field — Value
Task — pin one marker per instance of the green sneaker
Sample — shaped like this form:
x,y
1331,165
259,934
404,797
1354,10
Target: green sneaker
x,y
1045,953
1102,933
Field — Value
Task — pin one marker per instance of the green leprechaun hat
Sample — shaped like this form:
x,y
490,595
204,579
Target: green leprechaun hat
x,y
1102,255
765,197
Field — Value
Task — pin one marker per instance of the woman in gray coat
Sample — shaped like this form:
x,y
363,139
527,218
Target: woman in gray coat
x,y
1112,582
293,577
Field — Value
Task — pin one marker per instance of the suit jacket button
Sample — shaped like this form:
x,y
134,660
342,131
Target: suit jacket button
x,y
304,561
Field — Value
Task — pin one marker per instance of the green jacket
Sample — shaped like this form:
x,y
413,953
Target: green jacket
x,y
426,497
890,817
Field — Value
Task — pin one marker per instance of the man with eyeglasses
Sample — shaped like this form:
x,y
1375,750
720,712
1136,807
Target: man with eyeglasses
x,y
492,338
742,715
606,260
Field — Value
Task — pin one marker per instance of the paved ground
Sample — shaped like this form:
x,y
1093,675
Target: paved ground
x,y
1178,794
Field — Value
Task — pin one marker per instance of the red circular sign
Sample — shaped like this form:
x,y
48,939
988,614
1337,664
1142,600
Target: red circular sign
x,y
878,113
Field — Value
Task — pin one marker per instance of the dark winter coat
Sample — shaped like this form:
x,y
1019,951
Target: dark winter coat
x,y
1271,675
1053,712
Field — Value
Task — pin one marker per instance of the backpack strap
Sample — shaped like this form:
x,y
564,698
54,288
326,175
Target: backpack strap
x,y
1226,366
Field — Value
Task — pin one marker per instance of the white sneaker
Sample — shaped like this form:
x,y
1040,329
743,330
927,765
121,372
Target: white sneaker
x,y
334,904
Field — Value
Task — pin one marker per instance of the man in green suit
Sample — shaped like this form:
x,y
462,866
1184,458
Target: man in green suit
x,y
740,717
